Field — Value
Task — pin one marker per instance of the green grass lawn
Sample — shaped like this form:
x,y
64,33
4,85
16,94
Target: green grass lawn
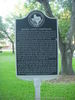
x,y
12,88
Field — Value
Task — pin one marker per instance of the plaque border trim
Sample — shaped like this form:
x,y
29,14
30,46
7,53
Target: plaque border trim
x,y
40,77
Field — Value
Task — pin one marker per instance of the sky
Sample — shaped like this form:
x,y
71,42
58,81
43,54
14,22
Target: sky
x,y
7,6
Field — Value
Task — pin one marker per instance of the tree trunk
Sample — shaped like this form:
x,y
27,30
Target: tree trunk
x,y
11,42
66,60
13,48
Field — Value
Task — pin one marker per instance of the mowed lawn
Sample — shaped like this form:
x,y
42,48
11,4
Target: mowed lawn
x,y
12,88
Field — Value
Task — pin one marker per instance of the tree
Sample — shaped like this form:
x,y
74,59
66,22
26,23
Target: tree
x,y
4,33
1,36
66,47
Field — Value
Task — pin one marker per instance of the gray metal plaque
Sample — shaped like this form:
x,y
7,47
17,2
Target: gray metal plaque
x,y
36,45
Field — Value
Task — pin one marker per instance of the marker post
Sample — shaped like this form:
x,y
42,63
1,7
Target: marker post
x,y
37,84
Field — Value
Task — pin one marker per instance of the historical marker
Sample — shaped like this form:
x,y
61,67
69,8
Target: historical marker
x,y
36,45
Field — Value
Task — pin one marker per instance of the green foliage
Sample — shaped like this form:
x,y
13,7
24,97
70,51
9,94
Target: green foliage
x,y
62,11
2,25
32,6
0,47
2,36
12,36
64,25
55,7
2,28
66,4
10,22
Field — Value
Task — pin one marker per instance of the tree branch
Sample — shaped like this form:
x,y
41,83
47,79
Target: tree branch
x,y
47,7
8,37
